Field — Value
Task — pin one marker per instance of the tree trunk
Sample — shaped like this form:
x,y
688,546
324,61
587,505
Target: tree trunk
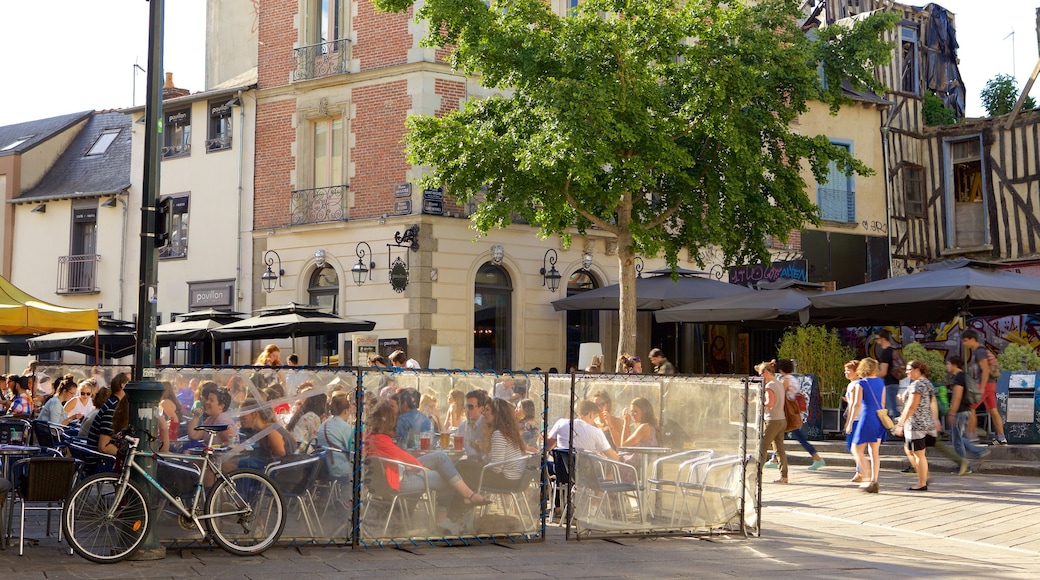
x,y
627,298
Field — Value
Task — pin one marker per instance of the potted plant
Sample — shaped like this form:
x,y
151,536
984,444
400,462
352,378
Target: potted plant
x,y
936,370
819,351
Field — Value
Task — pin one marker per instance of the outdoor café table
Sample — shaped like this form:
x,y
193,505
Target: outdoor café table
x,y
9,454
645,454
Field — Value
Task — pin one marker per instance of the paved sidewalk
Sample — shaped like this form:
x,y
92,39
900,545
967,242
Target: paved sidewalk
x,y
819,526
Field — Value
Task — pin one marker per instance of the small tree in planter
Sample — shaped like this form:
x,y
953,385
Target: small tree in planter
x,y
819,352
936,370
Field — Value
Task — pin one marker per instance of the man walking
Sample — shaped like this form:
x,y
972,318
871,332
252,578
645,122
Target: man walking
x,y
978,366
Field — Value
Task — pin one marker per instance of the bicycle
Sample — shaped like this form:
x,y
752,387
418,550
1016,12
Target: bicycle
x,y
106,517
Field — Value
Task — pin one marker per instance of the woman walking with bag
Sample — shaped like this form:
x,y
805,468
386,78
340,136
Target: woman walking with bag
x,y
916,421
863,425
776,421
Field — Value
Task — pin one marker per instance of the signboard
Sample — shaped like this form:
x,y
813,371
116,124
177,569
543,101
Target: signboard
x,y
402,206
211,294
398,275
433,201
389,345
365,345
403,190
793,269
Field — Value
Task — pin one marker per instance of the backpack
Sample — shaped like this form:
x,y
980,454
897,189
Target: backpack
x,y
972,394
897,369
994,365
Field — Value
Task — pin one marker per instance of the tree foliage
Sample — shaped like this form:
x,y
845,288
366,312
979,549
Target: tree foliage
x,y
1000,95
821,352
664,122
935,112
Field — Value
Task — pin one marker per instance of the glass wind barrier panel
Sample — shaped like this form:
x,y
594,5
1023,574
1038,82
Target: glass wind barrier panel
x,y
659,455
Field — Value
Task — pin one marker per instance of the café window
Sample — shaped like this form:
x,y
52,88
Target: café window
x,y
178,246
913,190
176,134
218,136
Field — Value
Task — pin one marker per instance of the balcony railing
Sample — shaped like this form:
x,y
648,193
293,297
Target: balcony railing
x,y
181,150
78,274
321,60
315,206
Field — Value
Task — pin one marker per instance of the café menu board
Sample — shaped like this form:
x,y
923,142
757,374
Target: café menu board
x,y
1018,400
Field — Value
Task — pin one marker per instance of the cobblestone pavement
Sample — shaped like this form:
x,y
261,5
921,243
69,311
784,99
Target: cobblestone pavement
x,y
818,526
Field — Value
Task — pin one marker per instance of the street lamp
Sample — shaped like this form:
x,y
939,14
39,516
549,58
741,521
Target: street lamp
x,y
362,272
550,277
268,279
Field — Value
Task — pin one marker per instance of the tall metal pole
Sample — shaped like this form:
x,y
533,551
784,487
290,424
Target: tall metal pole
x,y
144,392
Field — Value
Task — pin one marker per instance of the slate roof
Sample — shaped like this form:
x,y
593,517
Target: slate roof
x,y
76,175
40,130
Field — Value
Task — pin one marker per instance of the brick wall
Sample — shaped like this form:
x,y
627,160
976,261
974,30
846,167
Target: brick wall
x,y
378,156
451,92
277,36
382,39
274,163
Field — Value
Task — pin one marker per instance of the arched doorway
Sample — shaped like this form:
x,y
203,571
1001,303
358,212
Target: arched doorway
x,y
323,292
582,325
492,318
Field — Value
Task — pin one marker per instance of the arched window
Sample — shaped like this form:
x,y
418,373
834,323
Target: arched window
x,y
582,325
492,318
323,292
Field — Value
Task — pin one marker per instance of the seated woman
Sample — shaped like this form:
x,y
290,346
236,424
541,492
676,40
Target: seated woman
x,y
530,430
53,410
442,475
82,402
215,410
338,432
506,445
640,429
308,416
274,441
428,407
171,408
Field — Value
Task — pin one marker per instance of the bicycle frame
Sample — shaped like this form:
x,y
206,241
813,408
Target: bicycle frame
x,y
207,462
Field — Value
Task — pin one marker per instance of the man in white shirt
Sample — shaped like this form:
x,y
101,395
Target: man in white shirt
x,y
587,437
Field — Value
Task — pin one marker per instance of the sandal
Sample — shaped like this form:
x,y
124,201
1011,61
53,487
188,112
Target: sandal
x,y
780,480
481,501
856,478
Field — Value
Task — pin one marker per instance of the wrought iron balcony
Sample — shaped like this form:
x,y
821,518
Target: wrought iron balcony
x,y
78,274
321,60
182,150
319,205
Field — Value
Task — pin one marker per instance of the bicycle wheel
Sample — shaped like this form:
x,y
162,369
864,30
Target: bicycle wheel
x,y
255,512
100,527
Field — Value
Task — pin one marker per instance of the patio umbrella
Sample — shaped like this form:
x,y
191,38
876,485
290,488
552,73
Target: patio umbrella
x,y
114,339
194,326
290,321
653,293
14,344
20,313
938,293
786,305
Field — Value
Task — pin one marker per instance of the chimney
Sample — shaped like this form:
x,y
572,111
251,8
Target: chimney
x,y
169,91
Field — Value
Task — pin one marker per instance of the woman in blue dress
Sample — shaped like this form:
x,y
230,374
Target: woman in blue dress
x,y
863,425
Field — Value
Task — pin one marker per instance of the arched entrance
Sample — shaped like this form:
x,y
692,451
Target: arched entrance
x,y
323,292
582,325
492,318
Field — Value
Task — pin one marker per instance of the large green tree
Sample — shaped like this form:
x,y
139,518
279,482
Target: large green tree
x,y
664,122
1000,95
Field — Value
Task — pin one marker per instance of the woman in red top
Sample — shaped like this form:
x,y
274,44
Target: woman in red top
x,y
443,477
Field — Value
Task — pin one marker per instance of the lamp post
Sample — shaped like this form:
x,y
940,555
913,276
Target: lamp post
x,y
268,279
550,277
361,271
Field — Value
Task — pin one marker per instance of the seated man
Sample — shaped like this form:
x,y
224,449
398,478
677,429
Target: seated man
x,y
411,422
472,428
587,437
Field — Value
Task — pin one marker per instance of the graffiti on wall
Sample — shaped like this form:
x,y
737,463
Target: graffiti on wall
x,y
996,331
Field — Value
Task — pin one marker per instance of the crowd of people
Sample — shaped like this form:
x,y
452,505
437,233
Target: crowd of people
x,y
878,409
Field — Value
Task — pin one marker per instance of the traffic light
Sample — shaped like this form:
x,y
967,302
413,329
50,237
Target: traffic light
x,y
163,222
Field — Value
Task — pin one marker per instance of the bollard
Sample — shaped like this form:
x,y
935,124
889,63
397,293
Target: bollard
x,y
144,397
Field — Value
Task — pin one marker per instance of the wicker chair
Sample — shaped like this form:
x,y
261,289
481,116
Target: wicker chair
x,y
48,481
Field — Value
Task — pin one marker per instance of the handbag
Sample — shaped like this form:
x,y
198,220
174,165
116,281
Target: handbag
x,y
882,414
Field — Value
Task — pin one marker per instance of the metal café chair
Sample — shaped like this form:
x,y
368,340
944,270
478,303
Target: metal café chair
x,y
661,480
294,477
377,491
14,431
48,480
718,478
515,490
606,491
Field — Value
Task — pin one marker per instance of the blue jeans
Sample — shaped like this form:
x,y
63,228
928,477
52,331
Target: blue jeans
x,y
961,445
442,474
805,442
891,403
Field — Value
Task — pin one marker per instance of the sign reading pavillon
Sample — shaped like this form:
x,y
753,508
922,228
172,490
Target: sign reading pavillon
x,y
399,275
212,294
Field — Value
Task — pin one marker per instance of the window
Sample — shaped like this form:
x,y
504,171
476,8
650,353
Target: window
x,y
178,247
492,318
837,197
913,190
102,143
177,134
218,136
328,152
16,142
908,76
582,325
323,292
77,272
325,22
965,194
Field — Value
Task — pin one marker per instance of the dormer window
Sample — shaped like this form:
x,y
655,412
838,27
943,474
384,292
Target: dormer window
x,y
102,143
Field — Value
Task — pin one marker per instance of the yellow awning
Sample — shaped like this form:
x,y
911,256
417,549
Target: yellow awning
x,y
20,313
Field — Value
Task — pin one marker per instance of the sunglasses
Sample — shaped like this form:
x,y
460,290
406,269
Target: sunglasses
x,y
601,404
85,394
